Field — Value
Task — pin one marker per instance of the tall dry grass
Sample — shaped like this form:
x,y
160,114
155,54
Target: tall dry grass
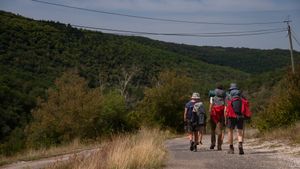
x,y
144,150
291,133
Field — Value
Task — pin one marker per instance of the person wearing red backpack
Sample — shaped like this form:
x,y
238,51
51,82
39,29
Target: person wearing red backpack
x,y
236,110
217,121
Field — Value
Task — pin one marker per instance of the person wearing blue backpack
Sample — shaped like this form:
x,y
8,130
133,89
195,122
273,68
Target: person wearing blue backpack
x,y
194,119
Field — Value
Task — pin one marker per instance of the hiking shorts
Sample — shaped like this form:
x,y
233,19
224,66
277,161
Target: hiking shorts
x,y
233,123
193,128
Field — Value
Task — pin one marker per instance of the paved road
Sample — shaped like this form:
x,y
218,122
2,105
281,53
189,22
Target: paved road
x,y
255,157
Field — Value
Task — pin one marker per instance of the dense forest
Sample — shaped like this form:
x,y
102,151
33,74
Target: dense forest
x,y
121,82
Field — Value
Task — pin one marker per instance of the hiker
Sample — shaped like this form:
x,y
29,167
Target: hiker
x,y
200,120
217,119
236,111
194,119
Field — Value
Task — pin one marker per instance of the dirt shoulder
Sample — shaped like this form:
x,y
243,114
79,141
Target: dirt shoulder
x,y
42,163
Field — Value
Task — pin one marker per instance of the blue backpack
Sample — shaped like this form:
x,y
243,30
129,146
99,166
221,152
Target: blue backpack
x,y
196,113
199,116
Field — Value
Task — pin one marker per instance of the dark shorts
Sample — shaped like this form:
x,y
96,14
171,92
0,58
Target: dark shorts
x,y
234,122
194,128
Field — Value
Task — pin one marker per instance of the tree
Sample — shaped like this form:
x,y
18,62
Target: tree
x,y
70,111
164,103
125,79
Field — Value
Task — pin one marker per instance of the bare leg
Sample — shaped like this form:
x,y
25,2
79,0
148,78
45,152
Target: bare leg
x,y
200,136
190,135
196,136
213,134
230,136
240,135
230,141
240,139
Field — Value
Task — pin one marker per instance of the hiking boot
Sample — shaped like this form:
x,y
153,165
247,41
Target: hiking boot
x,y
195,148
219,147
191,145
241,150
212,147
231,150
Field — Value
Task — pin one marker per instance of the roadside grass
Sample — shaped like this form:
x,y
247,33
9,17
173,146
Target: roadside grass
x,y
143,150
292,134
33,154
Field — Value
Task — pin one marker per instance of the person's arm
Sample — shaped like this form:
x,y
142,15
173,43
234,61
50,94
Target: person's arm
x,y
211,104
210,107
185,114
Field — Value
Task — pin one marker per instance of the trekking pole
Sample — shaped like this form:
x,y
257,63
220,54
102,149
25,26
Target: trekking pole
x,y
244,126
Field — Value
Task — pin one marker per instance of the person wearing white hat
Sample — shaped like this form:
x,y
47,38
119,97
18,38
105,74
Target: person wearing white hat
x,y
191,129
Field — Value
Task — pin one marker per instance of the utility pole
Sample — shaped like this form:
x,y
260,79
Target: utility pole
x,y
291,43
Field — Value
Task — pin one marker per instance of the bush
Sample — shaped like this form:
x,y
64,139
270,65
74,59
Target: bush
x,y
73,110
15,142
66,114
163,104
113,117
283,108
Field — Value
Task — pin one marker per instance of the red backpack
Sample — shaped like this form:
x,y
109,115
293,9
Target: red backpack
x,y
217,112
245,108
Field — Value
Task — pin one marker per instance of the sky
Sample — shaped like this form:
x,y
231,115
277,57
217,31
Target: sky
x,y
225,11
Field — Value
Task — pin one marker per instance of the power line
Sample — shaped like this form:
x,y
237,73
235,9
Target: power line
x,y
296,39
203,34
156,19
295,36
134,33
217,34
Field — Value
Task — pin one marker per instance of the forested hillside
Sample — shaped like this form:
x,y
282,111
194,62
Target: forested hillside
x,y
35,53
252,61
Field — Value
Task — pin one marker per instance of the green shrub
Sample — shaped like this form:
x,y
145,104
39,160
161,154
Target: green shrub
x,y
283,108
72,110
15,142
163,104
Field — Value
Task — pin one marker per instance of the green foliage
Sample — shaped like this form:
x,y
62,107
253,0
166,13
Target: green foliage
x,y
283,108
15,142
73,110
68,112
258,89
114,113
164,103
252,61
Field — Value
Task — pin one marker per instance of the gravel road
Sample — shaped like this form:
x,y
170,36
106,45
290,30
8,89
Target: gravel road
x,y
255,157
